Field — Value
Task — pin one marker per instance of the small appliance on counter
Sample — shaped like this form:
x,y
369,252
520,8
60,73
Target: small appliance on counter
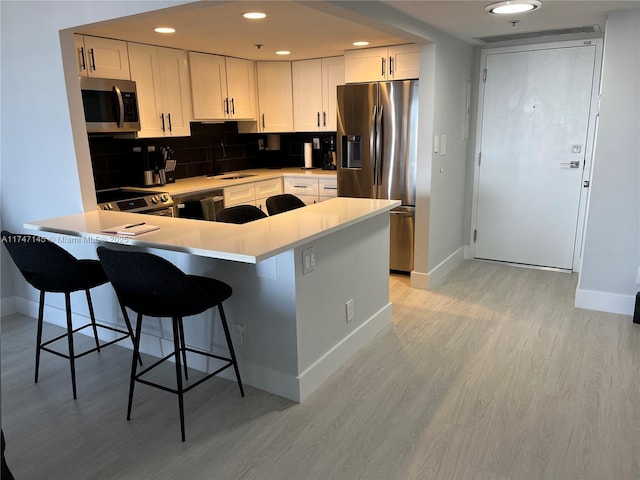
x,y
169,164
329,154
154,173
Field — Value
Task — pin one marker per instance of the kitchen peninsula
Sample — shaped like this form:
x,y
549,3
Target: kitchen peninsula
x,y
292,275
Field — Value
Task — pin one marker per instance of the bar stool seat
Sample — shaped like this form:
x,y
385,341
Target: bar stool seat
x,y
283,202
151,286
240,214
50,268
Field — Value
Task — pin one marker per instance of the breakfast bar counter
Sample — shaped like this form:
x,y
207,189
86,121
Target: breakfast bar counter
x,y
292,276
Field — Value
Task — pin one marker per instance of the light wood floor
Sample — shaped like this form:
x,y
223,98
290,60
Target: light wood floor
x,y
492,376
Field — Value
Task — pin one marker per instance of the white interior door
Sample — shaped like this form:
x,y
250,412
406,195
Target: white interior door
x,y
535,123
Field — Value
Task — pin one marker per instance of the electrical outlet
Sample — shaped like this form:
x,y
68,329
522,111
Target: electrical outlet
x,y
237,334
261,144
350,310
316,143
308,260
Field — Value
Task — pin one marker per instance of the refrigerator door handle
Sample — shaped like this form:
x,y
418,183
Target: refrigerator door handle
x,y
372,142
378,156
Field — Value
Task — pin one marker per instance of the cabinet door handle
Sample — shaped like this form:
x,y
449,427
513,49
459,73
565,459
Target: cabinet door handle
x,y
324,119
233,106
390,66
299,186
318,119
226,106
329,188
162,118
169,117
384,60
83,65
263,120
93,59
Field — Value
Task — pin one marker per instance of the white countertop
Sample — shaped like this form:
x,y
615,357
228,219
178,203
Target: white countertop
x,y
200,184
249,243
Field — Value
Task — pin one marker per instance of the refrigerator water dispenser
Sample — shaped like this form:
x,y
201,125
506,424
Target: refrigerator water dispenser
x,y
351,151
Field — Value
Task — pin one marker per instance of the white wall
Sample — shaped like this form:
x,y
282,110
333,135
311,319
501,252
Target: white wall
x,y
611,252
39,174
446,63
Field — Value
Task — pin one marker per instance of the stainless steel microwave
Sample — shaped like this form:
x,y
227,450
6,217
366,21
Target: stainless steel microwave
x,y
110,106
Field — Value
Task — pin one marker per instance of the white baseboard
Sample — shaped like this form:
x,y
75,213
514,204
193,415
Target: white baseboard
x,y
8,306
322,368
435,277
605,302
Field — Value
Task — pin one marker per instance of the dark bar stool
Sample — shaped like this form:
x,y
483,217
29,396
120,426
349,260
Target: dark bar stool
x,y
240,214
283,203
50,268
151,286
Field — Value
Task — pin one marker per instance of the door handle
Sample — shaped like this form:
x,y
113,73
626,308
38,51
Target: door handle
x,y
571,164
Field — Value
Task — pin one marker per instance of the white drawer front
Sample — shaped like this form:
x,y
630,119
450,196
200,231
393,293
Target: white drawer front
x,y
301,186
239,195
328,187
268,188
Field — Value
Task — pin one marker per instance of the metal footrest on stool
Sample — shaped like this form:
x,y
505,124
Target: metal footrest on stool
x,y
185,389
94,349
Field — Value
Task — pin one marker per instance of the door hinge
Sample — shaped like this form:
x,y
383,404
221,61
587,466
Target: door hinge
x,y
475,236
479,158
484,76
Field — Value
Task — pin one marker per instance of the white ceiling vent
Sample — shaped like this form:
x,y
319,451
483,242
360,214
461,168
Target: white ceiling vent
x,y
542,33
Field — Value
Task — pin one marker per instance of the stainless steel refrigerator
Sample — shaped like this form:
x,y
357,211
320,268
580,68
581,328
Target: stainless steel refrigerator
x,y
376,146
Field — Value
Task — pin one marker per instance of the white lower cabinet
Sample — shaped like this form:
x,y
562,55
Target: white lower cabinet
x,y
311,189
327,188
255,193
239,195
266,189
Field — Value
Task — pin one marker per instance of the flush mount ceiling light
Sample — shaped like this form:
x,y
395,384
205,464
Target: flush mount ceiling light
x,y
360,44
283,52
512,6
254,15
164,30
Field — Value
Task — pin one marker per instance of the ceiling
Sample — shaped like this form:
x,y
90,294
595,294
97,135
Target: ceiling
x,y
319,28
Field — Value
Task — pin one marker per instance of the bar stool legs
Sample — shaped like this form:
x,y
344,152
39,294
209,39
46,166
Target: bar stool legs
x,y
180,357
232,352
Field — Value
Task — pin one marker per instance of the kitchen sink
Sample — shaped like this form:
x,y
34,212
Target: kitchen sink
x,y
235,177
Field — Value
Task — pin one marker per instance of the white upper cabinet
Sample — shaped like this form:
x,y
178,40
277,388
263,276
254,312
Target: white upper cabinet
x,y
222,88
332,76
208,86
400,62
241,88
102,57
162,82
275,98
404,62
314,93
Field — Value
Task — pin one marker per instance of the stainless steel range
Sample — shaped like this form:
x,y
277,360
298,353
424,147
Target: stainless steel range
x,y
136,201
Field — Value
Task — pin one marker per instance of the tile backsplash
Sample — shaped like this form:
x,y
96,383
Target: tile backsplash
x,y
115,164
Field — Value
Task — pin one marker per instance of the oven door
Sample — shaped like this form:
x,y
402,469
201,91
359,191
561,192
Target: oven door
x,y
164,212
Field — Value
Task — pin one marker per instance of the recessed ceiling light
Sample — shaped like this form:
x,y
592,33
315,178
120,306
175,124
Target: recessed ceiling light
x,y
254,15
165,30
360,44
513,6
283,52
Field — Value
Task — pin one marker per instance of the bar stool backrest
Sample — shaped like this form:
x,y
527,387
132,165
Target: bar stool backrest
x,y
151,285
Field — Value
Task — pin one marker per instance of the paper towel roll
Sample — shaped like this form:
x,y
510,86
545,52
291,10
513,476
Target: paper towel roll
x,y
308,155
